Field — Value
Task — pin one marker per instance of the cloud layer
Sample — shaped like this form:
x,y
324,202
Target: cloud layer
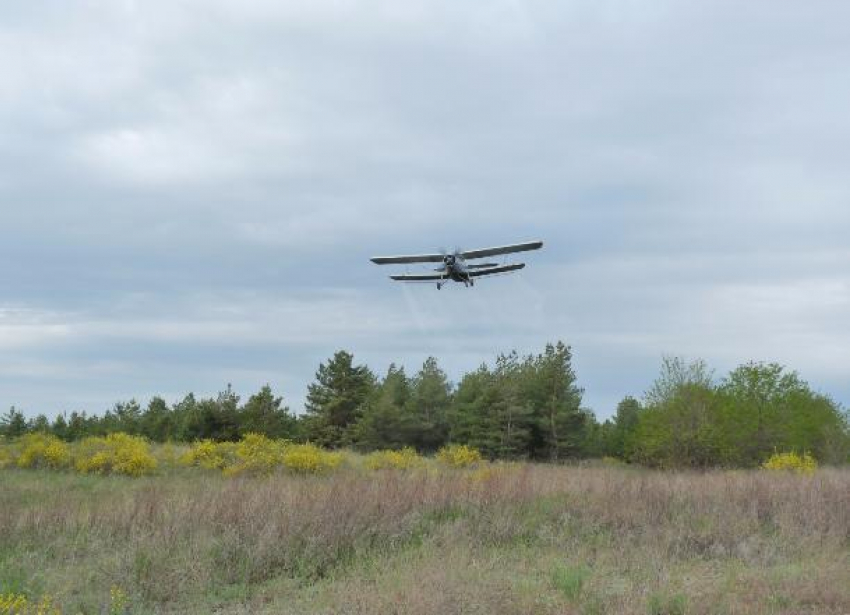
x,y
190,191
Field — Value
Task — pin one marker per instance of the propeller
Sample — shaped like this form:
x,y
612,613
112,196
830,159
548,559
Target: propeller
x,y
448,259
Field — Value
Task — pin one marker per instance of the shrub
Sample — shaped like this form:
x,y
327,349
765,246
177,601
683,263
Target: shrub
x,y
19,604
400,460
257,454
802,464
117,453
309,459
459,455
12,603
210,455
40,450
117,600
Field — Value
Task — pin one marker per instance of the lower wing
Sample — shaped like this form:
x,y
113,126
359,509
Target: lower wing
x,y
418,277
493,270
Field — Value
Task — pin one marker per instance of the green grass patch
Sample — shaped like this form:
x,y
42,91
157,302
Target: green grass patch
x,y
662,603
570,580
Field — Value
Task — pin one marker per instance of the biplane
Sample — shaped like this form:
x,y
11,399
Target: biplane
x,y
455,266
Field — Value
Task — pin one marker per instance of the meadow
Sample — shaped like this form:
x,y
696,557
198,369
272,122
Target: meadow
x,y
384,535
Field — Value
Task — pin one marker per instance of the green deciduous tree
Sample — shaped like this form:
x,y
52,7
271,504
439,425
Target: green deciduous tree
x,y
678,427
768,408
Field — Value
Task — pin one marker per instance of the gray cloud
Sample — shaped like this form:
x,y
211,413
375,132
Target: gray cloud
x,y
189,191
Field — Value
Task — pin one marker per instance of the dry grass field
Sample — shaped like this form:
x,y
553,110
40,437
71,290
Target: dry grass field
x,y
503,539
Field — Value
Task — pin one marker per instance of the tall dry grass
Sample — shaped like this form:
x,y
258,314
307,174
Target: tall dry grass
x,y
167,539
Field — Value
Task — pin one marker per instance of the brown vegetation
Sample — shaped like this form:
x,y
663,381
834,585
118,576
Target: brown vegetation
x,y
516,538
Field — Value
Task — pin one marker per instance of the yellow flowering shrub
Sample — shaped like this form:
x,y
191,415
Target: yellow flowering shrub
x,y
802,464
400,460
459,456
257,454
117,453
209,454
117,600
38,450
12,603
309,459
19,604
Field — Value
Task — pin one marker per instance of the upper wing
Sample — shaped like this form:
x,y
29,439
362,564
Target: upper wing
x,y
503,269
404,260
517,247
418,277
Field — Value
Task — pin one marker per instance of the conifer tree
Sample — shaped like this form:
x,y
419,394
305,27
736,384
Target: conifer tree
x,y
157,422
13,423
59,428
468,416
39,424
556,402
264,413
383,422
430,396
511,415
334,401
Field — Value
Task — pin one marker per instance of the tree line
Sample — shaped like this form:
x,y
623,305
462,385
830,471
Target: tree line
x,y
521,407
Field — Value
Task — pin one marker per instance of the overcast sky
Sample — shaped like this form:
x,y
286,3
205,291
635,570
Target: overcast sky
x,y
190,190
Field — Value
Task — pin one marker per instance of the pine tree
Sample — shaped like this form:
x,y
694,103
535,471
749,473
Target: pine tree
x,y
186,419
430,396
335,400
468,416
157,422
60,427
39,424
264,413
13,423
78,426
511,416
556,401
383,423
217,419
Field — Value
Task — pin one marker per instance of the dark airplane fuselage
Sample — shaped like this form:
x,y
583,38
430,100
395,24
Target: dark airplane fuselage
x,y
455,269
